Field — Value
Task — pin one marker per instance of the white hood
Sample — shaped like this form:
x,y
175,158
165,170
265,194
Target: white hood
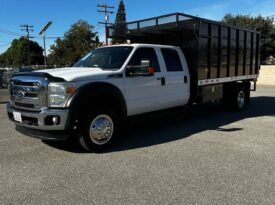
x,y
78,73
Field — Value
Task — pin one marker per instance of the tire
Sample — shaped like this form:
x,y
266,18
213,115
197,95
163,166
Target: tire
x,y
99,129
236,97
239,99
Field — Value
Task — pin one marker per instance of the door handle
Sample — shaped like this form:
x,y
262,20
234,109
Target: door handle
x,y
185,79
162,79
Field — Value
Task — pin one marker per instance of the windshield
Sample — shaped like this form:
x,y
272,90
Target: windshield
x,y
107,58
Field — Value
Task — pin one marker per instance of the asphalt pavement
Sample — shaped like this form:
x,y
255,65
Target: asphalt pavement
x,y
4,96
203,155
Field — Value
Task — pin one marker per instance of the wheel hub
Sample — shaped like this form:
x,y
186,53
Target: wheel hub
x,y
101,129
241,99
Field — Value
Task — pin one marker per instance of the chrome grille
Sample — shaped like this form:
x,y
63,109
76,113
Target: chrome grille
x,y
27,94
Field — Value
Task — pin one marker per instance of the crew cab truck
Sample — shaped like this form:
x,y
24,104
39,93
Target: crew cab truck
x,y
172,60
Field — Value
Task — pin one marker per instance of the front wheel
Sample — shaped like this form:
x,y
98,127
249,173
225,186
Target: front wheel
x,y
99,129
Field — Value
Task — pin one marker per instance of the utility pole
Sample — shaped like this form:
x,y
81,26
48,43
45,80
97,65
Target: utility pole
x,y
106,17
28,29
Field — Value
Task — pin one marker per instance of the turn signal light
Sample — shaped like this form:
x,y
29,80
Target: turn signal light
x,y
70,90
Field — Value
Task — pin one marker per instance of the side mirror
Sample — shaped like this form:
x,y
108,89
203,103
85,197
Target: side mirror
x,y
140,70
145,63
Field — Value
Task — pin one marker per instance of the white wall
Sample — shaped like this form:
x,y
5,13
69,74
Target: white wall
x,y
267,75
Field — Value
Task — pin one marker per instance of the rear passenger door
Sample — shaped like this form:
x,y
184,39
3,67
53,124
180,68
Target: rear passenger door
x,y
176,77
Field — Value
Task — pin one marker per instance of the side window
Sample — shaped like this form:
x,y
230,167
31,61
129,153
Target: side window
x,y
145,54
172,60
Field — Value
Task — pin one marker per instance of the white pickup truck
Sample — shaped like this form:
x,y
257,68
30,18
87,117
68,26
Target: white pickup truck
x,y
109,84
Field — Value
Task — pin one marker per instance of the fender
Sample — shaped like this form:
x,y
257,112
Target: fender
x,y
96,92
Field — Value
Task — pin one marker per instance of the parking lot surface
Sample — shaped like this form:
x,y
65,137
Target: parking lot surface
x,y
202,155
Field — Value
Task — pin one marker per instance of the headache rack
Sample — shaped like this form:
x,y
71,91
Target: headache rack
x,y
215,52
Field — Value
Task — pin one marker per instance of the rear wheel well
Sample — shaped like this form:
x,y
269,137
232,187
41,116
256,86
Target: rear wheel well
x,y
231,92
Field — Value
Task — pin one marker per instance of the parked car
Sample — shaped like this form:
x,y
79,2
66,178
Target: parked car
x,y
6,76
174,60
1,77
16,70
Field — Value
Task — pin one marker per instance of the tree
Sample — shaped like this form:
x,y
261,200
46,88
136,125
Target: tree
x,y
77,41
259,23
2,59
17,53
56,57
120,27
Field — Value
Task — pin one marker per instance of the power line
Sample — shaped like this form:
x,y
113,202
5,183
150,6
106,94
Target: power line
x,y
51,37
9,32
5,45
28,29
106,17
3,41
54,37
98,26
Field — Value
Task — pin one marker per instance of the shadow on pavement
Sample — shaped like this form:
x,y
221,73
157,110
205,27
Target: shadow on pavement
x,y
69,146
166,126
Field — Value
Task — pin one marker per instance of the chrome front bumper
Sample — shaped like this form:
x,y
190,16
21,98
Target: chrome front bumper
x,y
40,120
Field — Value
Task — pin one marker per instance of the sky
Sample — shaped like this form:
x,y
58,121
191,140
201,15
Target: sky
x,y
64,13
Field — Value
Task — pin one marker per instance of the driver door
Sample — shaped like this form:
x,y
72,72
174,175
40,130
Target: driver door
x,y
144,93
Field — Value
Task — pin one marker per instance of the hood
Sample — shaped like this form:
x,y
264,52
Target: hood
x,y
78,73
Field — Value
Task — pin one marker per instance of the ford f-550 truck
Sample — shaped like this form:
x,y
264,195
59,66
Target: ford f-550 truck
x,y
172,60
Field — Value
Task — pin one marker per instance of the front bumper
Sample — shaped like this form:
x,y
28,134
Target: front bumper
x,y
38,124
43,135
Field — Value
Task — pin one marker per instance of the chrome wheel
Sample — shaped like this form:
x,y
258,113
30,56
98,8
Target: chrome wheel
x,y
241,99
101,129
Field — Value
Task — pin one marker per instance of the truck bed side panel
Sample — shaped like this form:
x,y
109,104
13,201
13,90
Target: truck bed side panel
x,y
227,52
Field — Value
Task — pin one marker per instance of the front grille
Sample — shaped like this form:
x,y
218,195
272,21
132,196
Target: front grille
x,y
24,105
27,95
33,95
25,83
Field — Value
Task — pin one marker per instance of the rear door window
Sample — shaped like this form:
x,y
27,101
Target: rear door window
x,y
172,60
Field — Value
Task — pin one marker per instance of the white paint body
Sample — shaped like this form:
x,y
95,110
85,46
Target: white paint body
x,y
142,94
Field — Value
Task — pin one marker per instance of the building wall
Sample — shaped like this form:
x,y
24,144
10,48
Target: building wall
x,y
267,75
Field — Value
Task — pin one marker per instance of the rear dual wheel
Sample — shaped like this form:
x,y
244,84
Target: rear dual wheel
x,y
240,99
236,96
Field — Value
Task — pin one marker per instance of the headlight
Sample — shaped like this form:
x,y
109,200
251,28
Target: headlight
x,y
59,93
